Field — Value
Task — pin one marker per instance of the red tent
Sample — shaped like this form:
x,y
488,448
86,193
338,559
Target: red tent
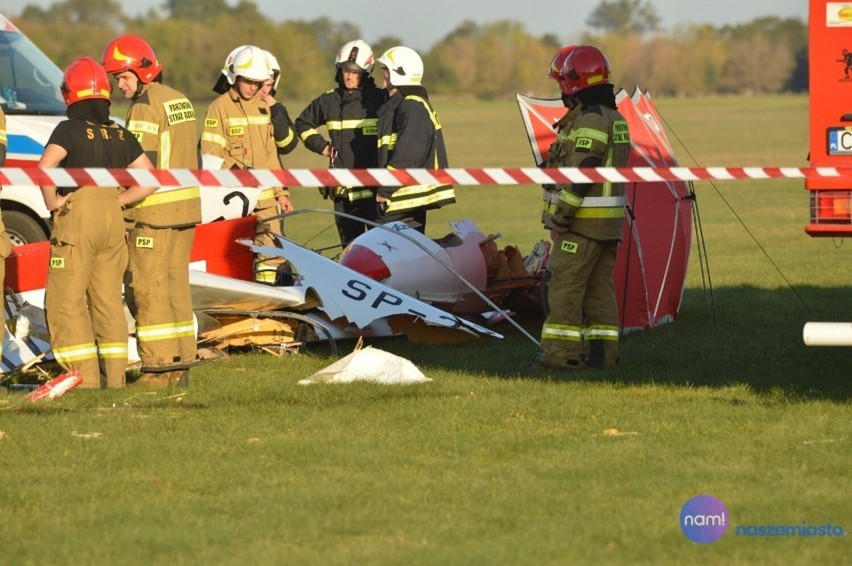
x,y
650,269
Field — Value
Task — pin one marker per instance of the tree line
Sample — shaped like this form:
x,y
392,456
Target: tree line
x,y
482,61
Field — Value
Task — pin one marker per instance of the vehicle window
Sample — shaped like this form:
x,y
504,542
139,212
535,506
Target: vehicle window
x,y
29,81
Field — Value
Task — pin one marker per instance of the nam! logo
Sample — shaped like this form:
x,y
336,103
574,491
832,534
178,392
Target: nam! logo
x,y
704,519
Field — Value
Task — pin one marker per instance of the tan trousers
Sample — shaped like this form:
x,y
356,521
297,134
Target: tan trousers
x,y
583,312
159,297
85,312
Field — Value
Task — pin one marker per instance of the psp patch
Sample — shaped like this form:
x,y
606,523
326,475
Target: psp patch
x,y
235,131
57,263
211,123
569,247
584,144
145,242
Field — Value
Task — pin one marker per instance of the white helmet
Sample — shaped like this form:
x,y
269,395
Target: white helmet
x,y
275,68
230,58
355,56
404,65
222,82
249,63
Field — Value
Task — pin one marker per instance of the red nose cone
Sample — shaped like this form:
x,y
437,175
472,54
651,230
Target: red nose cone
x,y
366,262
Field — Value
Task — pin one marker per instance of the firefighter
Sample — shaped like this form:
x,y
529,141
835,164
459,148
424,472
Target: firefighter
x,y
554,156
555,153
238,134
163,225
283,128
284,131
5,243
410,136
349,112
88,253
586,224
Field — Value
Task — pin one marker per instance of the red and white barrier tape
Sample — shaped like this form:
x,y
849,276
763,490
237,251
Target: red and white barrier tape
x,y
264,178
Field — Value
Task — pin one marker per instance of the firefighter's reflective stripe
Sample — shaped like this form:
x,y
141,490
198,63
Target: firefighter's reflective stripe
x,y
166,195
419,196
167,331
570,198
267,194
389,141
165,156
353,193
562,332
620,135
550,199
589,133
143,127
286,141
112,350
248,120
593,207
308,133
214,138
3,138
432,115
601,207
266,271
358,193
360,124
601,332
75,353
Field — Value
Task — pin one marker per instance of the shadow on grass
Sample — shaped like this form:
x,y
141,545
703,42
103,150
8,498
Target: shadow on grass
x,y
757,341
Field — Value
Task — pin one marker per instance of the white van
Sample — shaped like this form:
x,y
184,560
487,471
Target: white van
x,y
30,97
31,100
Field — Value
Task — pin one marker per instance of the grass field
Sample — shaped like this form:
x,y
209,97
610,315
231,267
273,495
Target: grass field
x,y
482,466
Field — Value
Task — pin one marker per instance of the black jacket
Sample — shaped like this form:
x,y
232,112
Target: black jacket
x,y
350,116
410,136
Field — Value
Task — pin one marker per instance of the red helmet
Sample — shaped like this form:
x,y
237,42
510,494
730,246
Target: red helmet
x,y
84,79
584,67
132,53
555,71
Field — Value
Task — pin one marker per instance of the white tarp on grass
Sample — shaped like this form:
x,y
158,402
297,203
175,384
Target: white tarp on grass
x,y
369,364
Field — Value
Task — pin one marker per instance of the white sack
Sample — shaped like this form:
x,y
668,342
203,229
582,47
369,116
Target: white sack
x,y
369,364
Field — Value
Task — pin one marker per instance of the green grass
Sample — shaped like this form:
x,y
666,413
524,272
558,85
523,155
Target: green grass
x,y
482,466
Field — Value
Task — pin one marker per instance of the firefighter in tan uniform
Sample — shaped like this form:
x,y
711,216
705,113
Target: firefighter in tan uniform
x,y
163,225
586,225
238,134
284,131
88,253
5,243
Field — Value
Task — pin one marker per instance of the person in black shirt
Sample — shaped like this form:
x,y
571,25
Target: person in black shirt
x,y
88,253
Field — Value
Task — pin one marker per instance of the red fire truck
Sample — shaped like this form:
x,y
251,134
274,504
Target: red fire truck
x,y
830,59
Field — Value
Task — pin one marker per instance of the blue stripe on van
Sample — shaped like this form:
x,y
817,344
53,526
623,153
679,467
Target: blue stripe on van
x,y
24,144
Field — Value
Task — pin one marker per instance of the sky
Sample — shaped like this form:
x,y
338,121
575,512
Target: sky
x,y
421,24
